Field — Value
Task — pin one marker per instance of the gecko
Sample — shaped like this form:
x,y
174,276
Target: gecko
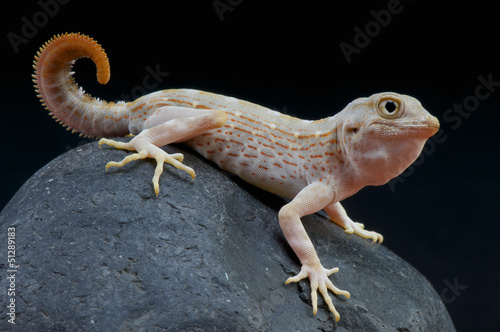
x,y
316,164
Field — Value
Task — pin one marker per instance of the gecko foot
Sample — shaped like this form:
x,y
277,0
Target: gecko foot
x,y
146,149
359,229
318,278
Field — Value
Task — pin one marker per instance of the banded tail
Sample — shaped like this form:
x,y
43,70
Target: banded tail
x,y
66,102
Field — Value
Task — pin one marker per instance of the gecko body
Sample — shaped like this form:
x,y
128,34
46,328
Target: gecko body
x,y
314,163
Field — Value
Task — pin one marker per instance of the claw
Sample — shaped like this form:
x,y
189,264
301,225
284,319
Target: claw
x,y
127,159
302,274
358,229
118,145
178,156
156,177
318,278
332,271
362,226
145,150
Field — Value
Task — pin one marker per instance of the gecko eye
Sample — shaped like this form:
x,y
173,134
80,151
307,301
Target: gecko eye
x,y
390,107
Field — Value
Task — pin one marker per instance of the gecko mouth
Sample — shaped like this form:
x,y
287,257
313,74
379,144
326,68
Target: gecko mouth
x,y
424,128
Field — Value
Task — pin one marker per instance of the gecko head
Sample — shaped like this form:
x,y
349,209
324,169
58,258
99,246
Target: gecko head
x,y
384,134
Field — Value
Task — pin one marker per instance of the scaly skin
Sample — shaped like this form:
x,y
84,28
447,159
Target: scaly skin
x,y
315,163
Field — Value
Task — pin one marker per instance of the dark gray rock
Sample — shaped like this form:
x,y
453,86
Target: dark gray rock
x,y
97,251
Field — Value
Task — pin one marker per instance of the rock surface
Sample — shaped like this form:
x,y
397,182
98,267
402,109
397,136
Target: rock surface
x,y
97,251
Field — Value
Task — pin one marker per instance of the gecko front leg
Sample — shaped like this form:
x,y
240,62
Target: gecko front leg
x,y
169,124
309,200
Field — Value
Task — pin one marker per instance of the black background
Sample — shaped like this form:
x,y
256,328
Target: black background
x,y
442,216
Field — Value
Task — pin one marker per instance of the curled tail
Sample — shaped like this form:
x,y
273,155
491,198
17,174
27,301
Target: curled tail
x,y
60,94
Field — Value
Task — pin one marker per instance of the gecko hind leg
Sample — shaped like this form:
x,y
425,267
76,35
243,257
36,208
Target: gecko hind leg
x,y
170,124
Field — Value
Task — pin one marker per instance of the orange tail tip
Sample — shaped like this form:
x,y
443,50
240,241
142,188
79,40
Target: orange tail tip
x,y
60,94
81,46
